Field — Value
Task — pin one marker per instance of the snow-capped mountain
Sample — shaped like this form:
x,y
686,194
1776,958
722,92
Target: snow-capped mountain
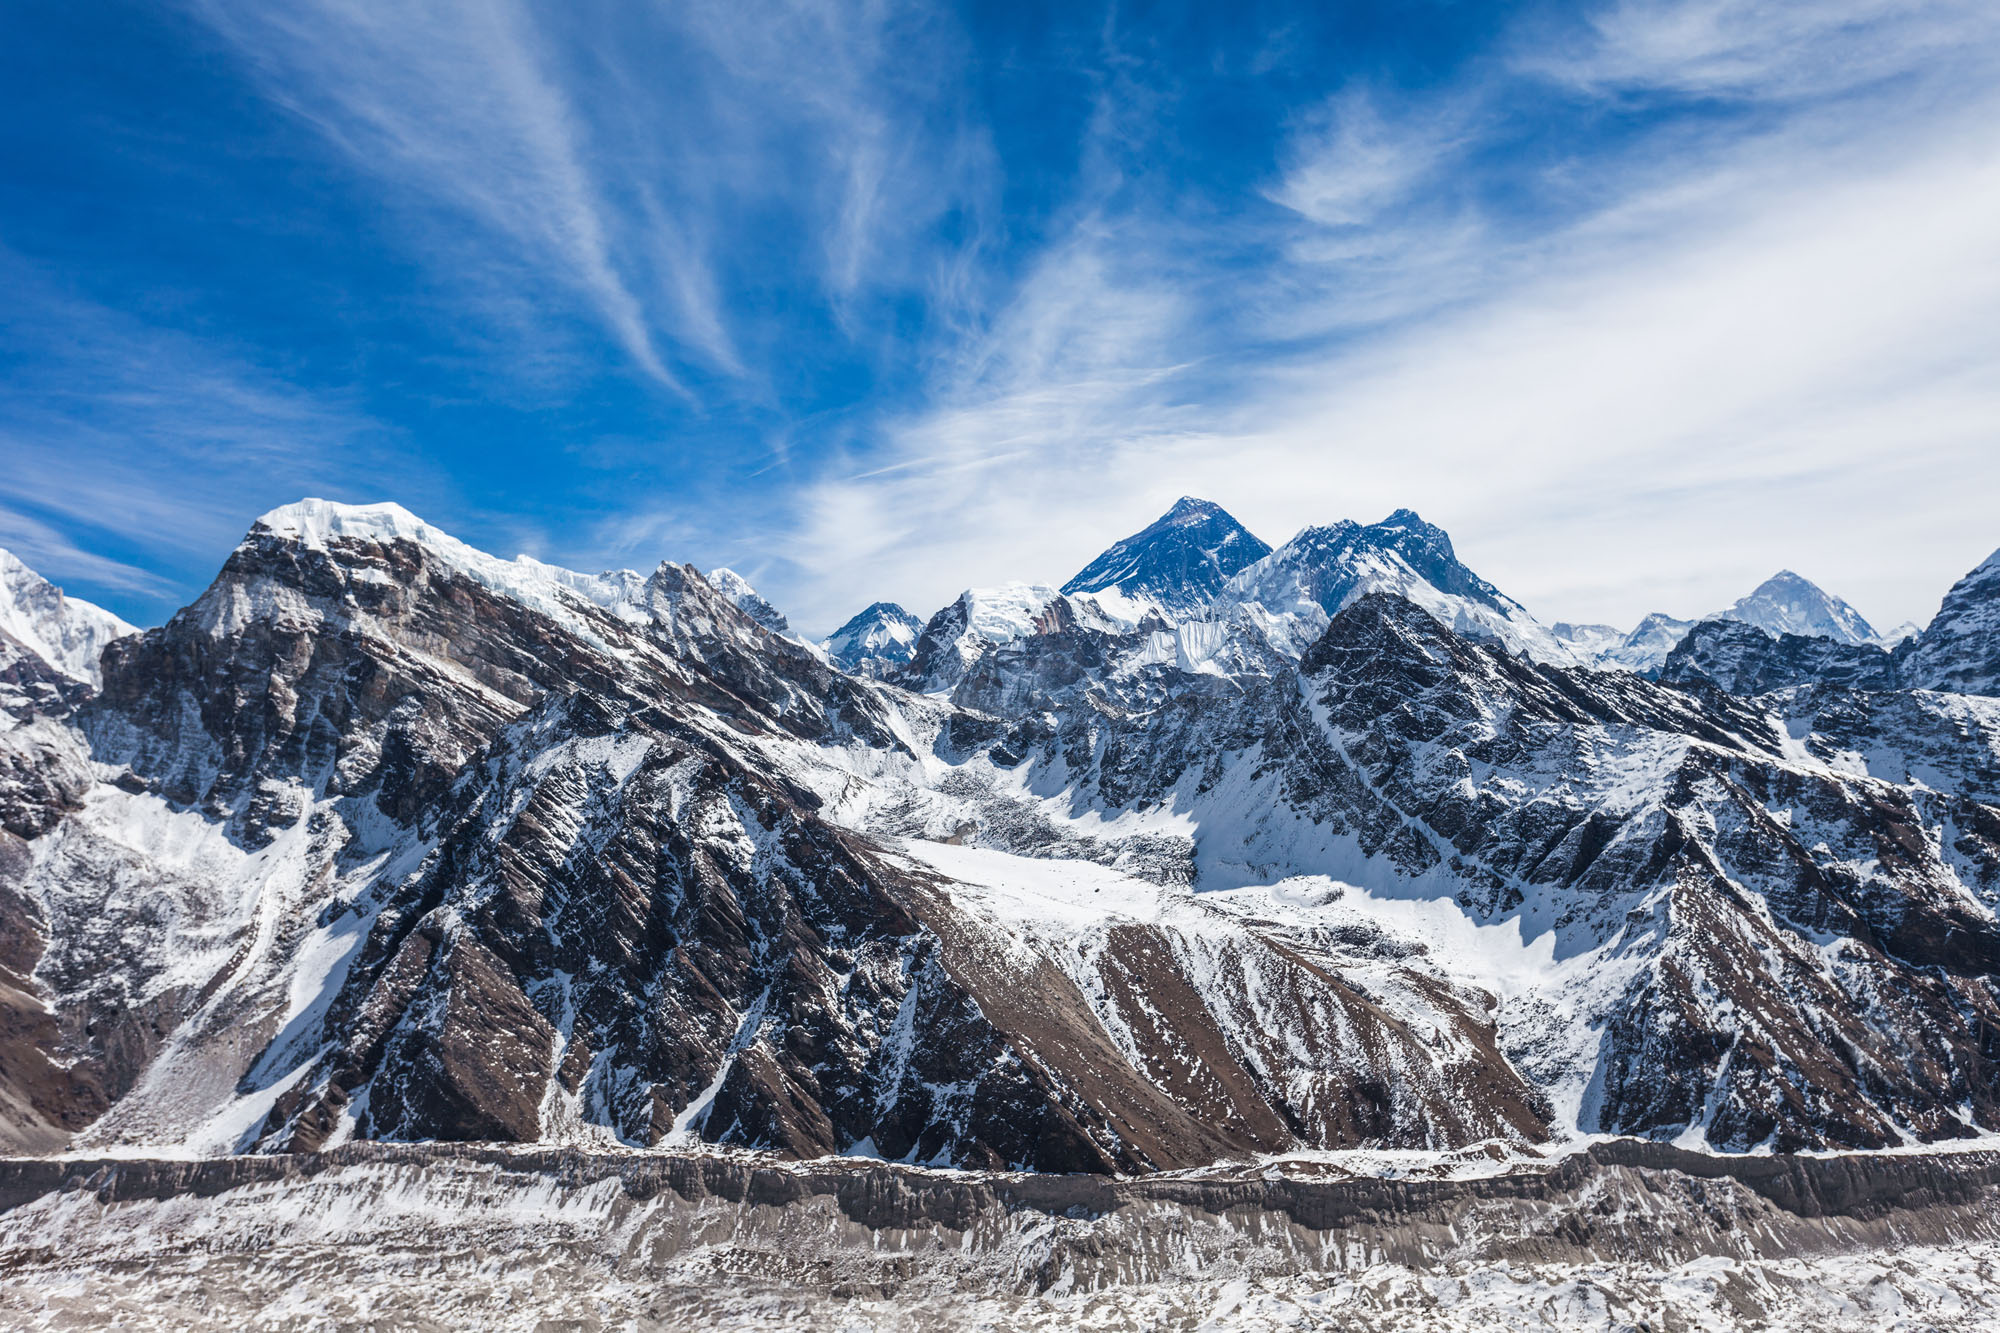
x,y
881,637
1788,604
747,600
982,620
1295,590
383,837
1642,649
1179,562
66,633
1784,604
1958,652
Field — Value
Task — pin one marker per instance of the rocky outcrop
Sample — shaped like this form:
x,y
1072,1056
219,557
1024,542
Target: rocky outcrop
x,y
1742,659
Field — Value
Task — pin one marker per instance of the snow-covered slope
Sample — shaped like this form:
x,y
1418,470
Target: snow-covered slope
x,y
1642,649
1178,563
1785,603
747,600
1299,587
67,633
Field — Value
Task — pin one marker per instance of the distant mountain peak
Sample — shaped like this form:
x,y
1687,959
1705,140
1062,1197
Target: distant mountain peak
x,y
1179,561
1325,567
882,634
1789,603
1190,508
67,633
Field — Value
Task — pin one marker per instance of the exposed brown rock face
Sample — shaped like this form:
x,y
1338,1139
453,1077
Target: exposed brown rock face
x,y
369,843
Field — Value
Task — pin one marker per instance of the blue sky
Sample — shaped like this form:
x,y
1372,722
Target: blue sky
x,y
1640,300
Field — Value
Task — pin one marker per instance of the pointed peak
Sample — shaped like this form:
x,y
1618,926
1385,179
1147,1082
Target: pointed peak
x,y
1790,603
881,632
1189,506
1179,561
737,590
883,611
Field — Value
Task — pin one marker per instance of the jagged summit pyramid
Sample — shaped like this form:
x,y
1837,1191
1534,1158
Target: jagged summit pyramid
x,y
1787,603
1180,561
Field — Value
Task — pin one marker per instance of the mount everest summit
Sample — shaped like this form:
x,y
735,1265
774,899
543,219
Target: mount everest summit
x,y
1218,850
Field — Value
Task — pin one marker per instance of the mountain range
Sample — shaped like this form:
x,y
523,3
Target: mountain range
x,y
1219,850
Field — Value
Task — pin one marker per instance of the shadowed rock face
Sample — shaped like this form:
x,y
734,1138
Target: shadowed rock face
x,y
367,844
1743,659
1960,649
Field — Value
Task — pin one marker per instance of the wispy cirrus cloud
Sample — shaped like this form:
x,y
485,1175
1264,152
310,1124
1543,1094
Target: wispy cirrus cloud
x,y
1646,393
1349,163
888,299
1760,50
623,163
451,99
137,454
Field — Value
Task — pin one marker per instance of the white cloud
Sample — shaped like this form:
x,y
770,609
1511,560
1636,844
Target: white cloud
x,y
450,98
1351,163
1759,49
614,159
1757,349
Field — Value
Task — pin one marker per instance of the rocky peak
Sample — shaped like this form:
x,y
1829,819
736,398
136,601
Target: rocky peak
x,y
880,637
1785,603
746,599
345,650
1960,649
1322,569
325,525
977,620
1179,562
